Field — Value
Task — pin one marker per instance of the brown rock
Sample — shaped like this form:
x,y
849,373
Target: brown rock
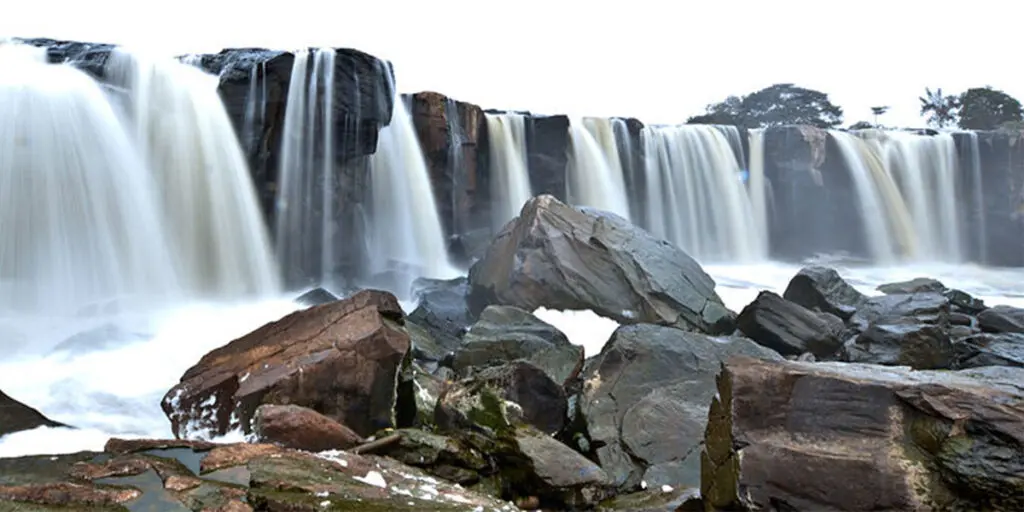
x,y
180,483
62,494
235,455
300,428
112,468
341,359
122,446
16,416
788,435
453,159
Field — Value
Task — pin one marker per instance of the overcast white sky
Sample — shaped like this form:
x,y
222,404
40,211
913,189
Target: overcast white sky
x,y
658,60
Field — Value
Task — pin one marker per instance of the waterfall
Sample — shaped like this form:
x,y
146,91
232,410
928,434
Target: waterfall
x,y
758,190
925,168
305,229
510,180
627,160
255,107
79,221
887,223
209,205
695,196
406,238
594,175
978,211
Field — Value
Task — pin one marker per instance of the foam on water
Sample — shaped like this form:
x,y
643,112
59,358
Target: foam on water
x,y
110,380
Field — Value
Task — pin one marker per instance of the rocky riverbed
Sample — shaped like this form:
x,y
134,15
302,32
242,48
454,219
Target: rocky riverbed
x,y
818,398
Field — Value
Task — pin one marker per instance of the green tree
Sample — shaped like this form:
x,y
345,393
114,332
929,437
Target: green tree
x,y
985,108
938,109
779,104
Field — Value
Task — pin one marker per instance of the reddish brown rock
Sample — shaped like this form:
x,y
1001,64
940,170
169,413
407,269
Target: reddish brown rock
x,y
121,446
235,455
786,435
449,133
301,428
63,494
341,359
16,416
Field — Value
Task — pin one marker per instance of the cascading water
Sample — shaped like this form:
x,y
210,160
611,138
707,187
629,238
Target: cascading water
x,y
305,231
255,107
977,213
630,170
757,189
695,197
594,172
925,168
887,223
78,215
510,179
406,240
218,238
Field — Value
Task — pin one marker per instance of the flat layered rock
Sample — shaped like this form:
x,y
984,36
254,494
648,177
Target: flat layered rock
x,y
789,435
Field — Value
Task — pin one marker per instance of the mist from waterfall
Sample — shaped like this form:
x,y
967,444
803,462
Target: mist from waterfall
x,y
695,196
925,169
406,240
217,236
594,173
510,178
79,219
305,225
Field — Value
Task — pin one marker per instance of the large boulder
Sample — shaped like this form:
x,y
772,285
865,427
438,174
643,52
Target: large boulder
x,y
342,359
569,258
16,416
789,328
505,333
822,289
833,436
301,428
645,402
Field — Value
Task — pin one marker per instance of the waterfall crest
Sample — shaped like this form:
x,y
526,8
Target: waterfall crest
x,y
695,194
181,129
594,175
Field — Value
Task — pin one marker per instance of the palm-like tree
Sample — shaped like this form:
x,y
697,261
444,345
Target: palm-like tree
x,y
878,111
940,110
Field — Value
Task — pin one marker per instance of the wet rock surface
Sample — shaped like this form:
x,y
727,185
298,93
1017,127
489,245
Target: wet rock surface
x,y
789,328
504,334
562,257
242,477
645,401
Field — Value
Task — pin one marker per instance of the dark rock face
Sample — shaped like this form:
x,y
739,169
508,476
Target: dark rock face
x,y
833,436
547,138
1002,319
790,329
505,333
451,135
562,257
992,183
918,345
443,310
16,416
982,350
821,289
645,401
164,475
924,308
341,359
920,284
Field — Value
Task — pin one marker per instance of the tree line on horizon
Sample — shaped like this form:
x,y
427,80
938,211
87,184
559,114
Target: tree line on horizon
x,y
978,108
